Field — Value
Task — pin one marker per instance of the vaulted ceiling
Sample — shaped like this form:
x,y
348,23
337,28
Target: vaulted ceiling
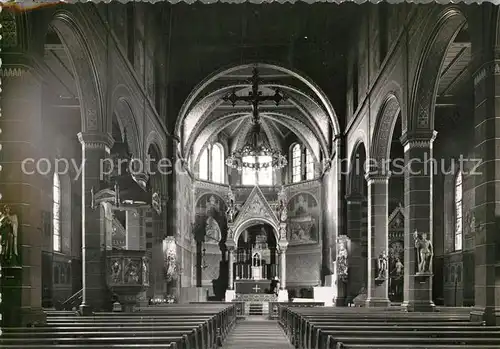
x,y
305,113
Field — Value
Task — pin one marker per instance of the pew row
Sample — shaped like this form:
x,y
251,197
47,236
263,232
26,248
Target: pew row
x,y
172,327
334,328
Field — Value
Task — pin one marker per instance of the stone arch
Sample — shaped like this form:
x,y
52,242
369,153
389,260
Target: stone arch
x,y
384,128
240,228
126,119
421,115
208,193
154,138
83,62
203,98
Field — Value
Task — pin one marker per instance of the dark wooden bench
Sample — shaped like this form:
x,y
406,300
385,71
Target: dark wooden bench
x,y
171,327
274,307
329,328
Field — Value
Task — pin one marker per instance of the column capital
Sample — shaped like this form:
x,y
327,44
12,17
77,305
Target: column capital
x,y
96,140
382,178
421,139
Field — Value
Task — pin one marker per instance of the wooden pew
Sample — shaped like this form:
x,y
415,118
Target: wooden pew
x,y
274,307
171,327
328,328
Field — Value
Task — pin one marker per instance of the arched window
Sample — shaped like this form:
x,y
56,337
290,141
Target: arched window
x,y
203,165
458,211
56,213
265,175
217,163
296,163
248,176
309,165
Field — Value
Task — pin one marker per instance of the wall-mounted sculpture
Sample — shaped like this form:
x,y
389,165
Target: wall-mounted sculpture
x,y
8,232
282,205
169,258
211,219
425,253
232,209
343,257
382,267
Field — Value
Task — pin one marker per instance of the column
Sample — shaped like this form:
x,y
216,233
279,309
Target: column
x,y
378,240
95,147
133,230
283,268
21,138
355,258
231,266
487,193
419,168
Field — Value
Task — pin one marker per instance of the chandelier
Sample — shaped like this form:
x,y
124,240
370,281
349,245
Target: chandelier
x,y
256,154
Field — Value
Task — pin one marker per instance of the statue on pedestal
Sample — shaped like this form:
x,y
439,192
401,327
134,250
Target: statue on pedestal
x,y
8,234
282,209
382,266
342,257
424,251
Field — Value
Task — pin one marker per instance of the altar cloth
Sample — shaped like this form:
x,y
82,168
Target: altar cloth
x,y
252,286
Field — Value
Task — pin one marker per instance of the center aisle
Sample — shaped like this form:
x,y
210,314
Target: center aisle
x,y
256,332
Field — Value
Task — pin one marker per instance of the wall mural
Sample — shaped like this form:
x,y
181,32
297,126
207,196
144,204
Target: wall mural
x,y
303,219
210,225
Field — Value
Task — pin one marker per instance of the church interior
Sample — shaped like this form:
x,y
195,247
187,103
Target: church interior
x,y
198,175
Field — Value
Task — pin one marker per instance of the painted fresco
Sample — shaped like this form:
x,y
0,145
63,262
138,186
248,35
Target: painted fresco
x,y
210,221
303,219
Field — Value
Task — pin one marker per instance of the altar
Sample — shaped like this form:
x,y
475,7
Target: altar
x,y
252,286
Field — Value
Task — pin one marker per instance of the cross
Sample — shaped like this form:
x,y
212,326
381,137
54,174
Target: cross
x,y
255,96
256,288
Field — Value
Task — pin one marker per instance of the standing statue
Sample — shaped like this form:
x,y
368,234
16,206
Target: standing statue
x,y
231,207
282,209
398,269
8,236
382,266
342,255
145,272
116,272
425,252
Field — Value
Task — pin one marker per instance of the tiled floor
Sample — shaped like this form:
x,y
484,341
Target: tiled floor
x,y
256,332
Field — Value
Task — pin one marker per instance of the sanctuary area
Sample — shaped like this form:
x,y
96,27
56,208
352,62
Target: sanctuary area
x,y
249,174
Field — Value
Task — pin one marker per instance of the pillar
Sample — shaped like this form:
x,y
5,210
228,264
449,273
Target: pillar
x,y
487,193
21,138
133,238
231,266
419,168
357,266
95,147
283,268
378,240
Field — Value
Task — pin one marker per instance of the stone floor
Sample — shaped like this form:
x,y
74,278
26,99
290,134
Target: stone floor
x,y
257,332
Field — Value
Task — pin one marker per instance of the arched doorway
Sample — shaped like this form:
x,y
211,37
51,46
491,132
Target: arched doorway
x,y
256,254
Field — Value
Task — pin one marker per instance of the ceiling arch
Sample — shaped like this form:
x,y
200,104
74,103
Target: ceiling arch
x,y
305,113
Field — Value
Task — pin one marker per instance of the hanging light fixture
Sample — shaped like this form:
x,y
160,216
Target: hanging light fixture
x,y
256,154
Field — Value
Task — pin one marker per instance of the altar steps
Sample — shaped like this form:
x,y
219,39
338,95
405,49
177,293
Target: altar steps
x,y
255,309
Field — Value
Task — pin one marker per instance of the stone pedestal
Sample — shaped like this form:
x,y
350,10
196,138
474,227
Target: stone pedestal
x,y
283,296
230,295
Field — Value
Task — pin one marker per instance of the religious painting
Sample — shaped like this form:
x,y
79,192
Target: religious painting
x,y
210,222
303,219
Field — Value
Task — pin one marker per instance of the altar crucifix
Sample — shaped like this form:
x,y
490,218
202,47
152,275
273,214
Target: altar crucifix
x,y
255,97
